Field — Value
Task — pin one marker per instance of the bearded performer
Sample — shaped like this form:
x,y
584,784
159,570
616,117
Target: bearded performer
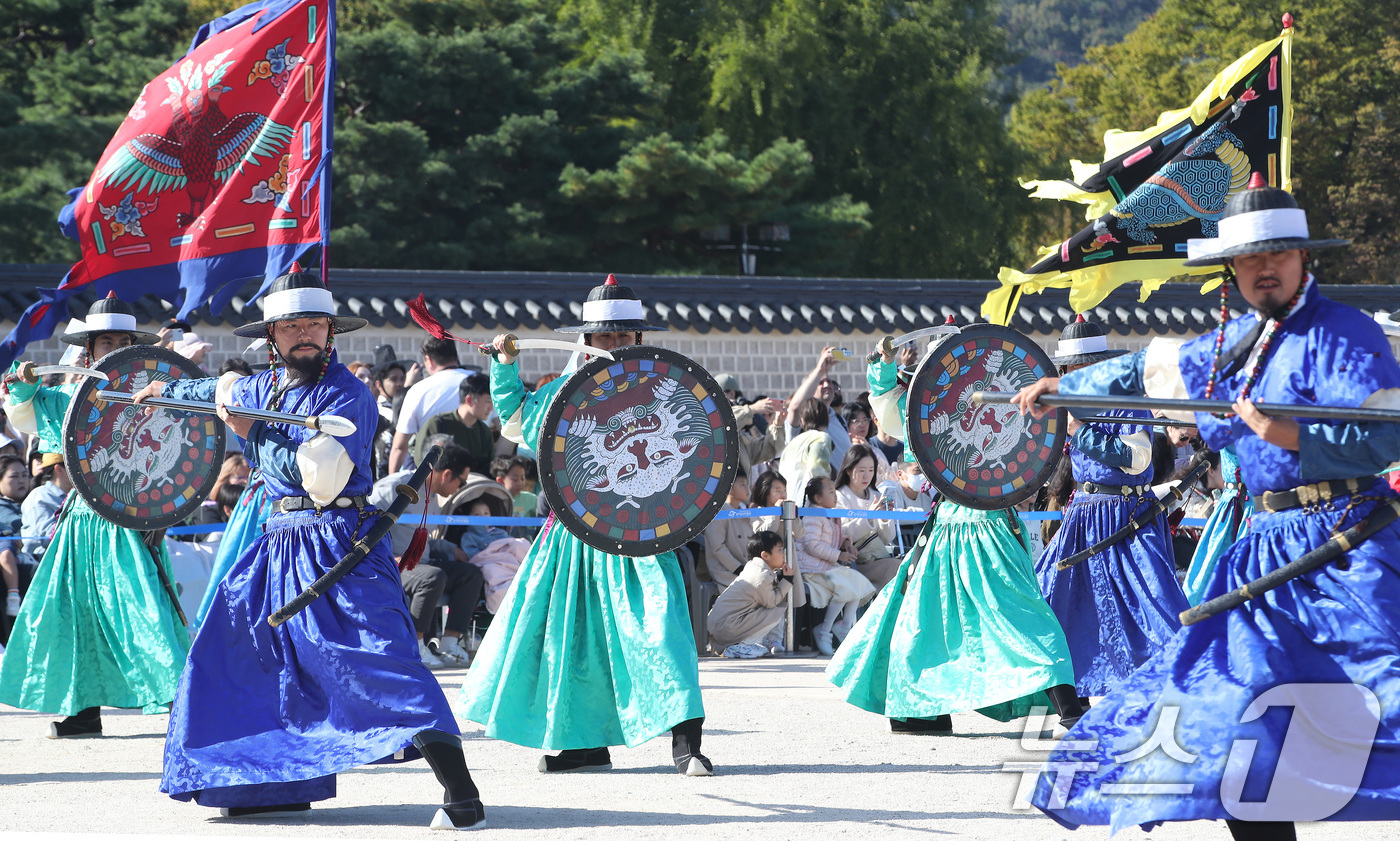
x,y
589,649
1228,521
266,717
98,627
962,626
1324,643
1121,604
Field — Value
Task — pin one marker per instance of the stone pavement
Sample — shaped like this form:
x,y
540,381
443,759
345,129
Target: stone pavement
x,y
792,761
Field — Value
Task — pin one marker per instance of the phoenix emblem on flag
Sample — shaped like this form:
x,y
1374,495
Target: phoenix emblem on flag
x,y
203,145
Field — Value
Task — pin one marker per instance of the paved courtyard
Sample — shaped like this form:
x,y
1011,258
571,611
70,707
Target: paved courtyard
x,y
792,761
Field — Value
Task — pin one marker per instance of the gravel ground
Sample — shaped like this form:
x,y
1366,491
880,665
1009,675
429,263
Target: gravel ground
x,y
792,761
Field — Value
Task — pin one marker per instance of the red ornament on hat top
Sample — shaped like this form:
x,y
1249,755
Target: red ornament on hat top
x,y
1079,318
1256,181
296,267
950,319
112,294
611,281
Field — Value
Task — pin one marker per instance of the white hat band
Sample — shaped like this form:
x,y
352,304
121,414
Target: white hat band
x,y
1088,344
1255,226
278,305
110,322
615,310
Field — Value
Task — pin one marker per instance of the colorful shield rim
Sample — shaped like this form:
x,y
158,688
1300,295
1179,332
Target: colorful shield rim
x,y
984,457
146,487
590,458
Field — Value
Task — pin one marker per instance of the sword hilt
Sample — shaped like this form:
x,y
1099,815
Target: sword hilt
x,y
26,374
509,347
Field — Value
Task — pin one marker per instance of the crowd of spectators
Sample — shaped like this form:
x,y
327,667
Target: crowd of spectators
x,y
829,453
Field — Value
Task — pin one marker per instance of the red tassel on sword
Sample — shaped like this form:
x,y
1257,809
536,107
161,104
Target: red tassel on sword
x,y
414,553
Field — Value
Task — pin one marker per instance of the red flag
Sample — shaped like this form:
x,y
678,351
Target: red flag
x,y
220,172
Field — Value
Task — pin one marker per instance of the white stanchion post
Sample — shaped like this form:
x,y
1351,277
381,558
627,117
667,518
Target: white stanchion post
x,y
789,521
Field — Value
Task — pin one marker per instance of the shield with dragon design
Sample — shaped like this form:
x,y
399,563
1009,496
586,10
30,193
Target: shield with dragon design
x,y
982,456
138,469
638,453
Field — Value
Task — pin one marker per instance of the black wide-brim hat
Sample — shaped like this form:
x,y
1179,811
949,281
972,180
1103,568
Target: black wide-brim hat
x,y
109,315
612,308
384,359
294,295
1258,220
1083,343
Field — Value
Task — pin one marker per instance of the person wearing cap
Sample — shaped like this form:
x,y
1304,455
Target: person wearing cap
x,y
97,627
266,717
962,625
756,445
589,649
40,509
1323,643
1120,605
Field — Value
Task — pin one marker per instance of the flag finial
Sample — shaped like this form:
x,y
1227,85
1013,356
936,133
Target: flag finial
x,y
1256,182
1287,21
611,281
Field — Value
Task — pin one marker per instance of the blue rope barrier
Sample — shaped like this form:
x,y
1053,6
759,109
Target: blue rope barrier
x,y
731,514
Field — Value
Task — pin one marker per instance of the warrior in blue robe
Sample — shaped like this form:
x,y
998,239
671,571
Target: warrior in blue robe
x,y
266,717
1120,605
1287,707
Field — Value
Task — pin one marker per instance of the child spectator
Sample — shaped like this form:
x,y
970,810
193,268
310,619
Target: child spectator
x,y
490,548
513,472
753,606
477,538
14,486
726,541
769,491
825,558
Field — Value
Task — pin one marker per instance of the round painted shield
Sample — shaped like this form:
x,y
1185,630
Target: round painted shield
x,y
982,456
138,470
637,454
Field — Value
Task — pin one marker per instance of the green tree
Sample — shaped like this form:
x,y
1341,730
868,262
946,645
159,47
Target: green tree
x,y
1346,91
895,103
661,199
479,135
69,71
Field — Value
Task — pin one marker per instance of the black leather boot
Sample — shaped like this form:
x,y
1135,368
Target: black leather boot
x,y
1262,830
1066,704
576,759
922,726
462,807
685,749
86,722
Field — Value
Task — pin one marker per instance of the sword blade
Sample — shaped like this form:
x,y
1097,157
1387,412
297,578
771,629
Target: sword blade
x,y
45,370
915,335
333,425
1221,407
555,344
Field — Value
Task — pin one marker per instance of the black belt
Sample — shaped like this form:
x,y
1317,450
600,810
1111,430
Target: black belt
x,y
288,504
1307,494
1236,486
1115,490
